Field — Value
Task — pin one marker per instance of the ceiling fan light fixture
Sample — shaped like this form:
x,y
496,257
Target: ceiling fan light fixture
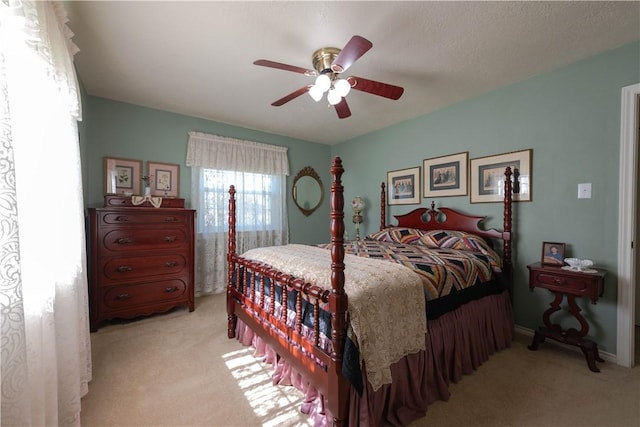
x,y
342,87
333,97
323,82
316,93
328,64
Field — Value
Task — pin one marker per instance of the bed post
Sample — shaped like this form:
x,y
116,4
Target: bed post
x,y
383,207
339,389
508,223
231,255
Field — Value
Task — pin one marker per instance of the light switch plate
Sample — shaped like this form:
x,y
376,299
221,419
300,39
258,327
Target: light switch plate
x,y
584,191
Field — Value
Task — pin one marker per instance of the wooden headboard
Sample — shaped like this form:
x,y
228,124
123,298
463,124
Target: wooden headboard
x,y
450,219
445,219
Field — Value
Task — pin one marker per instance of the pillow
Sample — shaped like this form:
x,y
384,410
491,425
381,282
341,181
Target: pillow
x,y
454,240
397,235
434,239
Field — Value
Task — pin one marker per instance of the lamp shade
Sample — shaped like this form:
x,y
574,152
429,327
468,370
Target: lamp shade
x,y
323,82
342,87
316,93
333,97
357,204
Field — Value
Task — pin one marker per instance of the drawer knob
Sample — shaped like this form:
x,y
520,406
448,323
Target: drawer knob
x,y
170,289
122,297
170,264
123,241
122,218
170,239
124,268
558,281
170,219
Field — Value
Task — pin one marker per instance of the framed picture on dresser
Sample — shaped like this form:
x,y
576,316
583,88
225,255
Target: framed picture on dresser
x,y
165,179
122,176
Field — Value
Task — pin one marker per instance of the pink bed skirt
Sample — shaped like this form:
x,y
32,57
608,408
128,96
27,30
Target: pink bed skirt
x,y
457,343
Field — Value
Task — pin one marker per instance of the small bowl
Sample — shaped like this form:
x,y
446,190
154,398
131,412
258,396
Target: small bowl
x,y
578,264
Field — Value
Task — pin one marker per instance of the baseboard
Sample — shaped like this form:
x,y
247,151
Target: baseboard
x,y
609,357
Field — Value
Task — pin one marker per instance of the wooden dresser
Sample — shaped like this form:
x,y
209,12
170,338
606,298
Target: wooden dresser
x,y
141,259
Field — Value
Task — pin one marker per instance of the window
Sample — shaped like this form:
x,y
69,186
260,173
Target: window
x,y
259,174
259,197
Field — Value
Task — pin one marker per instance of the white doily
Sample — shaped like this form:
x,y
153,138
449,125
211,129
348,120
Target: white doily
x,y
138,200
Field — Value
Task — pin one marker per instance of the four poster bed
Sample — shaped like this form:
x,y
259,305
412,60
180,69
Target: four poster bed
x,y
367,340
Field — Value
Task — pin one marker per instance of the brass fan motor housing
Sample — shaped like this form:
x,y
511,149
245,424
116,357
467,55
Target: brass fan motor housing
x,y
323,58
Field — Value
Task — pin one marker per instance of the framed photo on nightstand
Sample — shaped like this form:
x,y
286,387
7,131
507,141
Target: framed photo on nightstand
x,y
552,254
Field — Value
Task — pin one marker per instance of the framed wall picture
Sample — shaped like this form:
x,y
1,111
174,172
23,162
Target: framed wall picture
x,y
122,176
487,177
445,176
403,186
552,254
164,179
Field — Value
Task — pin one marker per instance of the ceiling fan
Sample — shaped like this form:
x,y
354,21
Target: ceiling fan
x,y
328,63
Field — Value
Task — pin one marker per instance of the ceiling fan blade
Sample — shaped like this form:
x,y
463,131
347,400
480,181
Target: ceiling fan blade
x,y
343,109
375,88
354,49
291,96
286,67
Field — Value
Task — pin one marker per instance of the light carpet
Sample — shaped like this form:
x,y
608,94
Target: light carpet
x,y
180,369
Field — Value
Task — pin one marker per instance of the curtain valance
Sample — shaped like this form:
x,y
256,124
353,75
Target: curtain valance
x,y
219,152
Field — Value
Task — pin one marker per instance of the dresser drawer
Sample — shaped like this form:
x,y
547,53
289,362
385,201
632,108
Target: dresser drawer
x,y
126,296
561,282
134,216
121,269
130,239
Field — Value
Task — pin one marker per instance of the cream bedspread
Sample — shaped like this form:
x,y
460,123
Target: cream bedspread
x,y
386,301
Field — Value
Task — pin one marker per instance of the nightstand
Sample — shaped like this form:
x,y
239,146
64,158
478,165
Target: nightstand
x,y
569,284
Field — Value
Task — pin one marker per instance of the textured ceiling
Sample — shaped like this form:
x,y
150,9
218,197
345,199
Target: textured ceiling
x,y
196,58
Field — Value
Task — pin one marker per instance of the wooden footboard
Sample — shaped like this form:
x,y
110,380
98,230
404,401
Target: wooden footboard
x,y
255,292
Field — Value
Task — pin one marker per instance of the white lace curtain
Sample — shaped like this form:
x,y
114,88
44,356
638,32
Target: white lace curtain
x,y
46,354
258,172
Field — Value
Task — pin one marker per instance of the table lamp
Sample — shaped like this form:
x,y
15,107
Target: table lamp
x,y
358,205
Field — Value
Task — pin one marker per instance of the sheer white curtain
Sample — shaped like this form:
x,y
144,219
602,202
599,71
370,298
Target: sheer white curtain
x,y
258,172
46,354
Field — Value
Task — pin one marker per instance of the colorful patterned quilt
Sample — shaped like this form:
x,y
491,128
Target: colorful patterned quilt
x,y
442,270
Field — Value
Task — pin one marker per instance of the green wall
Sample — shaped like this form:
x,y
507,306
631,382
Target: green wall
x,y
116,129
569,117
571,120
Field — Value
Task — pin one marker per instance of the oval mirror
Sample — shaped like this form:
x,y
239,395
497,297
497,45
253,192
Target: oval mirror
x,y
307,191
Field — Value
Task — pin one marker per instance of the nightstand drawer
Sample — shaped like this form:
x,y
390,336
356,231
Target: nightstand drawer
x,y
561,283
568,282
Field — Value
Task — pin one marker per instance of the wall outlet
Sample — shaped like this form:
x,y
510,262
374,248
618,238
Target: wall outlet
x,y
584,191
